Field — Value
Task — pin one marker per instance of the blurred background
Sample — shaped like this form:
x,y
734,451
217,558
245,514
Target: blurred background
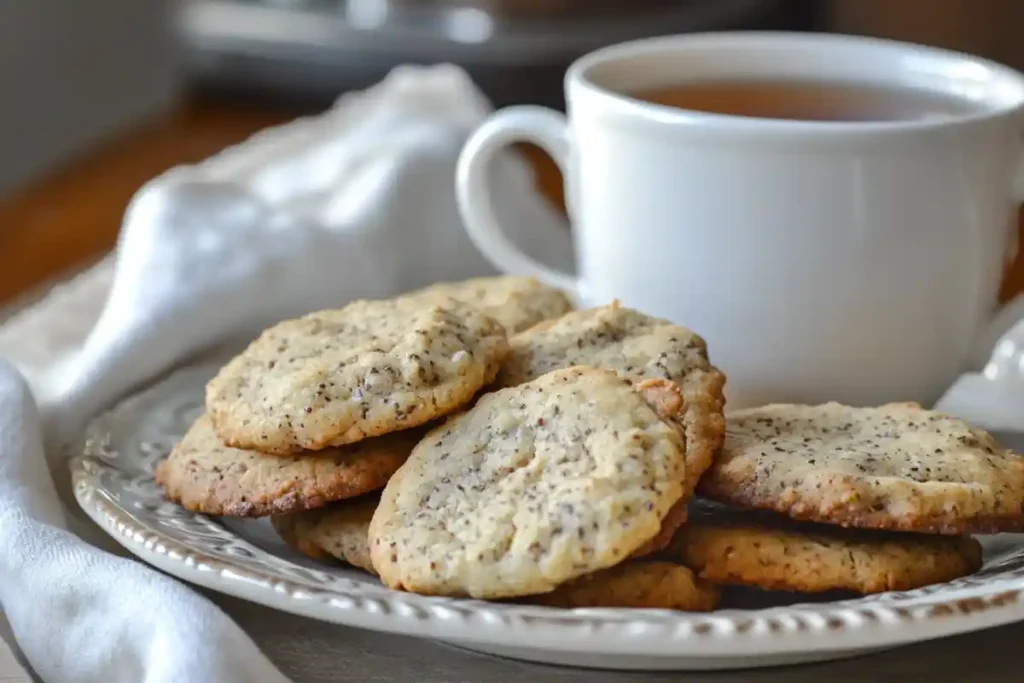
x,y
105,94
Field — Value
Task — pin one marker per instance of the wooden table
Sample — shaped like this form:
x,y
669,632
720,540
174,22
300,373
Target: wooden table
x,y
56,225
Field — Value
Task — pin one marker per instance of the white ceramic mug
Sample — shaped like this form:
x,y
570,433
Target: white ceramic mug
x,y
850,261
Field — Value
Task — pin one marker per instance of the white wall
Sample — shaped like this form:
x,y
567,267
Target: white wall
x,y
73,72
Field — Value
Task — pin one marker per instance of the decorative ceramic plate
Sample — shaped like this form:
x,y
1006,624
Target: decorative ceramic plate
x,y
114,485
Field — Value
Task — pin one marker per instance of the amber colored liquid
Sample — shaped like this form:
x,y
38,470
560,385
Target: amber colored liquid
x,y
810,101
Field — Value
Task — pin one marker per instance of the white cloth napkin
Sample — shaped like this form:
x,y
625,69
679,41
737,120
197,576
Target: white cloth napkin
x,y
357,202
994,398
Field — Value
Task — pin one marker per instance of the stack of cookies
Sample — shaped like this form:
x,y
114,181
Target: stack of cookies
x,y
860,499
327,407
481,439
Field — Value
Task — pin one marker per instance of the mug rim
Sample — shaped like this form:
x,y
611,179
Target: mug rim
x,y
579,74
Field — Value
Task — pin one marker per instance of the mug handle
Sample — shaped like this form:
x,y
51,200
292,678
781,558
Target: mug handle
x,y
1000,351
541,126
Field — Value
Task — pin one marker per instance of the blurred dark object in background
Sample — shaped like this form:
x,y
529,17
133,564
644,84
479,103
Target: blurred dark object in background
x,y
516,50
990,29
539,9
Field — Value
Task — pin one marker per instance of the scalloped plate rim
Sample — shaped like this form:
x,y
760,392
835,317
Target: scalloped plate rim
x,y
677,640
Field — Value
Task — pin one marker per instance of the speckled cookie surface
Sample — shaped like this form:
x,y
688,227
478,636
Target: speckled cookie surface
x,y
650,585
755,550
516,302
337,531
675,518
336,377
204,475
637,346
532,487
894,467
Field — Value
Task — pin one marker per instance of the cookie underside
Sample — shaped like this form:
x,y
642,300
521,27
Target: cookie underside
x,y
338,531
637,584
204,475
773,553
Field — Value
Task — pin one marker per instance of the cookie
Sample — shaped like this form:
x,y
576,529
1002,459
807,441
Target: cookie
x,y
652,585
532,487
204,475
340,531
336,377
636,346
675,518
518,303
337,531
896,467
760,550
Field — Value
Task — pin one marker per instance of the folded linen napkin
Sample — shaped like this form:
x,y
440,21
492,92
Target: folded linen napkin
x,y
357,202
